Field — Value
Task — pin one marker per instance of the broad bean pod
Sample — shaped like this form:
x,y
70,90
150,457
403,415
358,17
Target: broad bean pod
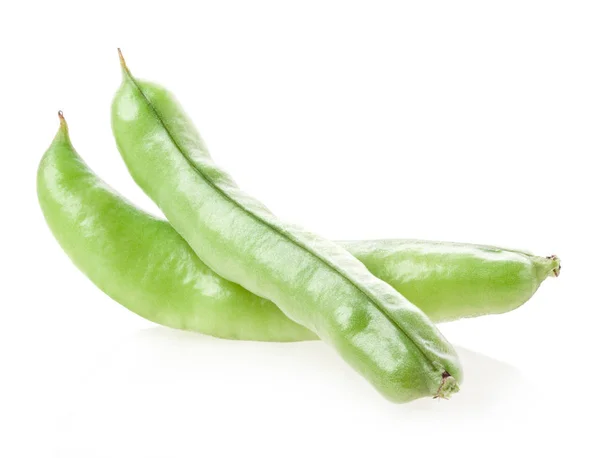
x,y
144,264
315,282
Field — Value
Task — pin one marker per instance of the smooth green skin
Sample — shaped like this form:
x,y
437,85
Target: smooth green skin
x,y
141,262
315,282
144,264
449,281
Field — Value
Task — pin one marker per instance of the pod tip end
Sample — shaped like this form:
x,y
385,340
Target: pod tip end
x,y
556,265
448,387
122,61
121,58
61,118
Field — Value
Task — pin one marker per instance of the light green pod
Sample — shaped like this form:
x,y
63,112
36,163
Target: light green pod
x,y
315,282
141,262
449,281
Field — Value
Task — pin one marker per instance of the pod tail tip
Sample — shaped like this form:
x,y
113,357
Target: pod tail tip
x,y
556,264
63,122
448,387
122,61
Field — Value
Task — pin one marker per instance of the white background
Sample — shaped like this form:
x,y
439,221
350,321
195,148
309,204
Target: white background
x,y
465,121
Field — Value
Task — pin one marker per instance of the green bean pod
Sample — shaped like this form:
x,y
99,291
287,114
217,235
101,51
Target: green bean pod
x,y
315,282
449,281
143,263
